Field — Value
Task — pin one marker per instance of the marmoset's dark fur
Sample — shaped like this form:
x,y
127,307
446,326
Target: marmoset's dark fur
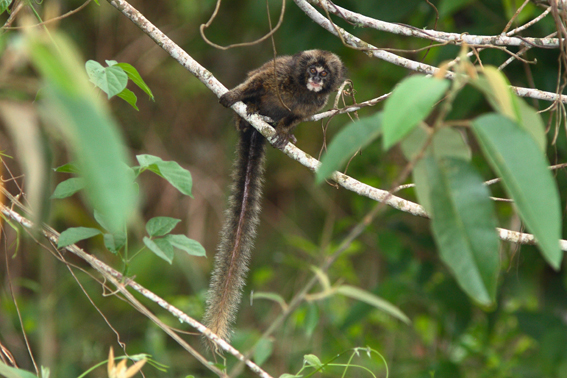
x,y
295,88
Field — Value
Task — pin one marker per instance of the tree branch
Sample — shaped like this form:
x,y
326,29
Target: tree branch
x,y
292,151
438,36
121,282
374,51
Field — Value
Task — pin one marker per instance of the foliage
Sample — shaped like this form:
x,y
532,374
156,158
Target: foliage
x,y
433,297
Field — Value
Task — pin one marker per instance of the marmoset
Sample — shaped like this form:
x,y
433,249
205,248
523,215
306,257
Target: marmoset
x,y
293,88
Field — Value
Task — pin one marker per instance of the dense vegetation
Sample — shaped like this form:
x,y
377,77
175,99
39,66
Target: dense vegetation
x,y
512,323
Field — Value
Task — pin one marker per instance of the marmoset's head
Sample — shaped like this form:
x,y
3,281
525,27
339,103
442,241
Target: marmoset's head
x,y
319,71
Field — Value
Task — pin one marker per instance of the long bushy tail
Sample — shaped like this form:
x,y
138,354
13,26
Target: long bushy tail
x,y
237,235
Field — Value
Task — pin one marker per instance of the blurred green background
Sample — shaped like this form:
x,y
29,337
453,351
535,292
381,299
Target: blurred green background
x,y
525,335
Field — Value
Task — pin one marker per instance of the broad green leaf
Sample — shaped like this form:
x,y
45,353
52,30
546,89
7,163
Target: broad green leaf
x,y
114,242
422,186
177,176
313,360
162,248
11,372
70,103
112,80
464,226
263,351
129,96
373,300
100,219
531,121
159,226
496,88
447,142
481,84
146,160
68,187
182,242
75,234
4,4
501,93
344,145
521,164
411,101
136,78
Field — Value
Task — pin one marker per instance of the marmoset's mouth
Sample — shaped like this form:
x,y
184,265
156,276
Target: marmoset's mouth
x,y
315,87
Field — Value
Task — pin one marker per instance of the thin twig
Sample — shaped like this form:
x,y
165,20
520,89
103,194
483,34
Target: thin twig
x,y
263,38
437,36
51,20
357,43
120,282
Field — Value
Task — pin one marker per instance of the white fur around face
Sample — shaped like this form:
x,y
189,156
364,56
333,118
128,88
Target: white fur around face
x,y
315,87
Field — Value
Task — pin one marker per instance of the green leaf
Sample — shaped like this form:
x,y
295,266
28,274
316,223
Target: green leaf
x,y
350,139
159,226
11,372
412,100
112,80
92,135
521,164
422,186
373,300
464,226
270,296
68,187
496,88
162,248
75,234
531,121
67,168
446,142
129,96
136,78
311,319
4,5
45,372
263,351
114,242
499,87
146,161
177,176
182,242
313,360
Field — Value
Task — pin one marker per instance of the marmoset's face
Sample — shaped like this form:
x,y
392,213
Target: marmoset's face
x,y
316,76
